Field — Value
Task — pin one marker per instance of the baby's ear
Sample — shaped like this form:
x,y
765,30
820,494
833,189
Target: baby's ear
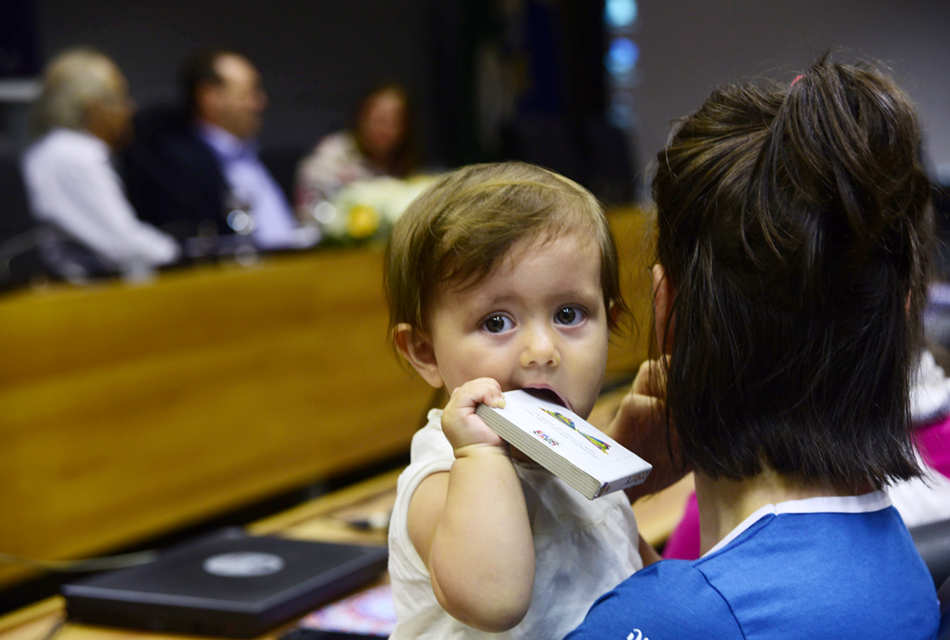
x,y
416,347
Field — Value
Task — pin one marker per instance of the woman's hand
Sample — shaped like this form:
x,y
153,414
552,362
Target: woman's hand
x,y
640,425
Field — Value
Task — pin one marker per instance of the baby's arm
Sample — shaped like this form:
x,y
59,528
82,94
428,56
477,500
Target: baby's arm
x,y
470,525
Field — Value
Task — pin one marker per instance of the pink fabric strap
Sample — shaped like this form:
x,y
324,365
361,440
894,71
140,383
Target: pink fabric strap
x,y
933,441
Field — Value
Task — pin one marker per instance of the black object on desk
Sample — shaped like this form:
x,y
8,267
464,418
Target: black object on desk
x,y
319,634
227,584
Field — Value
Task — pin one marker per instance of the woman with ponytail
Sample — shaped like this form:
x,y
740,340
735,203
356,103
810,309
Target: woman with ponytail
x,y
793,234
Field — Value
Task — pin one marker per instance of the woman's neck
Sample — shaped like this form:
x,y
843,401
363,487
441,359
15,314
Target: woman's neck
x,y
725,504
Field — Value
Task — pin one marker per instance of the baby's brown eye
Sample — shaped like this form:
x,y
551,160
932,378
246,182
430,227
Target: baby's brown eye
x,y
496,324
569,316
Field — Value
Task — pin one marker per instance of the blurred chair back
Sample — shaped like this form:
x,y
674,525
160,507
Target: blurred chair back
x,y
547,140
172,178
608,159
155,121
941,202
943,595
592,152
933,543
19,257
14,206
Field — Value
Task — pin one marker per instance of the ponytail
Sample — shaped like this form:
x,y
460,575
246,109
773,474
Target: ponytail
x,y
794,224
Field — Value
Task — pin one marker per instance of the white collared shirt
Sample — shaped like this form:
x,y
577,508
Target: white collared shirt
x,y
873,501
72,185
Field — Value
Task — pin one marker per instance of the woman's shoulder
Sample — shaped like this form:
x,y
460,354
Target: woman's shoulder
x,y
336,160
65,147
669,599
338,142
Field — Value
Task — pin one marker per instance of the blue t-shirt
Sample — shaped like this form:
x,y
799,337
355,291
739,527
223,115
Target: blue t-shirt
x,y
842,568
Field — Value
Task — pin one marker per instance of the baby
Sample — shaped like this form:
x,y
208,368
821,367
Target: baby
x,y
501,277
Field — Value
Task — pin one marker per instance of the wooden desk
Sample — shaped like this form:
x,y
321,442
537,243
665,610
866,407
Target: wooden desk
x,y
325,518
130,411
320,519
634,233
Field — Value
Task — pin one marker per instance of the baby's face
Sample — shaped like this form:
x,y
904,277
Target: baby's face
x,y
537,322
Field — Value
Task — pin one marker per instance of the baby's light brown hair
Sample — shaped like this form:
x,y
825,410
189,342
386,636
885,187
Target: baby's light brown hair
x,y
459,230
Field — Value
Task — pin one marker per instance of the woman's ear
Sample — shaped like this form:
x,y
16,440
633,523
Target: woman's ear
x,y
416,347
614,311
662,306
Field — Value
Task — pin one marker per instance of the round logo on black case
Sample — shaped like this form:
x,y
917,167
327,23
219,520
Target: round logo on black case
x,y
243,565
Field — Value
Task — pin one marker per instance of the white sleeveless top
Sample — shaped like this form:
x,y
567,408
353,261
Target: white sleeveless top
x,y
583,548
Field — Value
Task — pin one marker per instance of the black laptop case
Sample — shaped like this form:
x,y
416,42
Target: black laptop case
x,y
227,584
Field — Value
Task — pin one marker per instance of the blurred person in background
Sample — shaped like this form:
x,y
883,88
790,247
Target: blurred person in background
x,y
199,173
84,115
380,142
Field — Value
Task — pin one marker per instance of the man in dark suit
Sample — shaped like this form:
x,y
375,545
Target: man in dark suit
x,y
195,171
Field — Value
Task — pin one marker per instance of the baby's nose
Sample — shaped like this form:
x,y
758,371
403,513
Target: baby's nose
x,y
540,349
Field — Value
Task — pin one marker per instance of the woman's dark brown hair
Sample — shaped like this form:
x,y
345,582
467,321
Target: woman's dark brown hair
x,y
794,224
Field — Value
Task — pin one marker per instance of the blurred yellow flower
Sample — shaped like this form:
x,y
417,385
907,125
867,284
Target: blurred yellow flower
x,y
362,222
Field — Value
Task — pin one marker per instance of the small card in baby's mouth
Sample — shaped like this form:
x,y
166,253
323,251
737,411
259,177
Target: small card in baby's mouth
x,y
565,444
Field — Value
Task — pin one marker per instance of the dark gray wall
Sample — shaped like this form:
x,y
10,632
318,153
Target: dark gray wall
x,y
689,46
316,56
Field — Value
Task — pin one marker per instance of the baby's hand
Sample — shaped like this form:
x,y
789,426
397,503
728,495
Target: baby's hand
x,y
467,432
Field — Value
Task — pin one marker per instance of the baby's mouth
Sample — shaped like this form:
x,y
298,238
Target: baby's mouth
x,y
546,393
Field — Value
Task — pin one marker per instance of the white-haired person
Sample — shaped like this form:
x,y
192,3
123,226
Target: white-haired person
x,y
82,116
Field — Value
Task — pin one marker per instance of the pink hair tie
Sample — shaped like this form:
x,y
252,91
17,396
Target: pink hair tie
x,y
797,78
